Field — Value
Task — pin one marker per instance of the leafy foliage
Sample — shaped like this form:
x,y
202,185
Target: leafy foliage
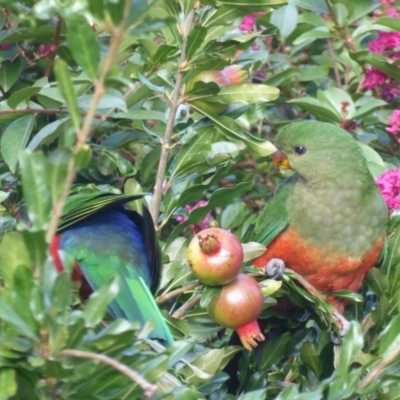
x,y
103,95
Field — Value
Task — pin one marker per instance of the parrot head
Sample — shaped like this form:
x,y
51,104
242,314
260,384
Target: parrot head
x,y
317,149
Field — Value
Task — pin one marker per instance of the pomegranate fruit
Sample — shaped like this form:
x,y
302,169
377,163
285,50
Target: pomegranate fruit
x,y
215,256
237,307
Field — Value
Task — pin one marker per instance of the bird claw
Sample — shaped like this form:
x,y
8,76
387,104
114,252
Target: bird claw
x,y
345,326
275,268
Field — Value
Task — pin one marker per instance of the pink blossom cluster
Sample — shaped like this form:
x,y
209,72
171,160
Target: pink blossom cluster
x,y
389,185
389,10
200,225
394,121
248,25
387,44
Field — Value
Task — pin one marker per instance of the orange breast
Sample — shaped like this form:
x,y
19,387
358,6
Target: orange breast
x,y
321,267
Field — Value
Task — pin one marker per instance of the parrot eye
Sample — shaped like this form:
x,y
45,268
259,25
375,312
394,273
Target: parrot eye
x,y
300,150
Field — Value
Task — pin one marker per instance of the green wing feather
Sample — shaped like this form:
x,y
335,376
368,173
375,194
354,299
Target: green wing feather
x,y
134,302
273,217
80,206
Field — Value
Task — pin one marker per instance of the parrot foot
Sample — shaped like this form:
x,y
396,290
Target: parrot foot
x,y
275,268
343,325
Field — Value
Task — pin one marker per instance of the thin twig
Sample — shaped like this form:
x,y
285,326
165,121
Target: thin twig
x,y
182,311
174,293
307,285
50,65
148,388
83,134
166,143
49,111
335,68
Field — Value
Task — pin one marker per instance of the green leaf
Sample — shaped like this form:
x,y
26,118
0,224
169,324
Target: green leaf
x,y
313,72
162,54
285,19
339,100
270,286
320,32
312,5
195,40
232,216
9,73
352,344
221,16
106,101
311,357
377,281
57,171
367,108
209,292
391,23
21,95
252,250
273,351
98,302
8,383
9,315
251,4
230,129
36,246
318,108
34,183
48,133
15,138
377,61
13,253
141,115
390,337
83,45
203,367
66,88
247,93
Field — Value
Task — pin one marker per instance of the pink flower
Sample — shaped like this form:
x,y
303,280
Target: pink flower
x,y
5,46
394,121
389,40
373,78
389,185
199,226
376,46
247,23
392,12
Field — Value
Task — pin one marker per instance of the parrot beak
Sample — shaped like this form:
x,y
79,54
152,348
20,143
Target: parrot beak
x,y
280,160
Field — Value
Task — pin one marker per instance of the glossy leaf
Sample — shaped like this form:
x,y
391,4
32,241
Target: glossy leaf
x,y
15,139
34,173
83,45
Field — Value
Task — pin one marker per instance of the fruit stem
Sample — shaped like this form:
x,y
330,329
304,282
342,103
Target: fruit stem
x,y
249,334
209,243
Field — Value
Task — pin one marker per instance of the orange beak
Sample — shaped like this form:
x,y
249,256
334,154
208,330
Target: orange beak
x,y
280,160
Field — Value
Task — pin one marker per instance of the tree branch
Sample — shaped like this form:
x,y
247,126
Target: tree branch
x,y
148,388
182,311
166,143
174,293
49,111
83,134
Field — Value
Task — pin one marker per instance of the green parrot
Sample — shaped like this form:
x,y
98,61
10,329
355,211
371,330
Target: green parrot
x,y
105,239
326,221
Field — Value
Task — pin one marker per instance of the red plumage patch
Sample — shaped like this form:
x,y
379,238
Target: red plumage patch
x,y
76,276
325,271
